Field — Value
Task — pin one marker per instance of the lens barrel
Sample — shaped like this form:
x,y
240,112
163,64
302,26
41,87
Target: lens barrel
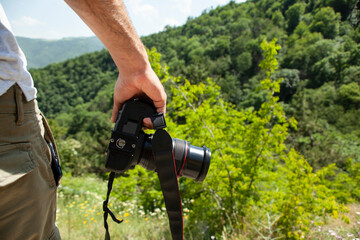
x,y
191,161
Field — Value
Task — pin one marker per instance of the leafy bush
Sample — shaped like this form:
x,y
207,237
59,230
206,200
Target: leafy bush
x,y
251,167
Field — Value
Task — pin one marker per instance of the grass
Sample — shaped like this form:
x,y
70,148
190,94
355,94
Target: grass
x,y
338,229
80,216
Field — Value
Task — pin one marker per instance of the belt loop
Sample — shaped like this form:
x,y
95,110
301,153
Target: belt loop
x,y
19,106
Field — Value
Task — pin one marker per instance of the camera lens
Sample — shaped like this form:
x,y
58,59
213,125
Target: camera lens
x,y
191,161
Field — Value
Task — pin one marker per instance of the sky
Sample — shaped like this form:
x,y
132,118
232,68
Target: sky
x,y
54,19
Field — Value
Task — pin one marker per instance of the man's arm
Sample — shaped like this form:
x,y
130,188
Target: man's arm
x,y
109,20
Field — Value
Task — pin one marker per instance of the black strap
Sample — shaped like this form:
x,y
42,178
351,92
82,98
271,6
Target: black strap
x,y
106,210
166,170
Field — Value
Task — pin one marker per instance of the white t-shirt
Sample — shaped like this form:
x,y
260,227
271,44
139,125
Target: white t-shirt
x,y
13,62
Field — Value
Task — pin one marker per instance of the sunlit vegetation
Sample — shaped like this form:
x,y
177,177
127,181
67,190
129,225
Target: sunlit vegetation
x,y
272,87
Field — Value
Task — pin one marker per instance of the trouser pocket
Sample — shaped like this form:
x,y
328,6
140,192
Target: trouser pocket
x,y
27,185
16,161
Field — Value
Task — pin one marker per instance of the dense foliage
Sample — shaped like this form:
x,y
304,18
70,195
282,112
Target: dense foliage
x,y
41,52
284,139
319,64
63,86
254,175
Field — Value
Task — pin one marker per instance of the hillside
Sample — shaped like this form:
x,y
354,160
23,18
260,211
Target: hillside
x,y
263,163
224,43
40,52
319,64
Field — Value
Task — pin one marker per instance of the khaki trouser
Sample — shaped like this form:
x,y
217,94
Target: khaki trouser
x,y
27,186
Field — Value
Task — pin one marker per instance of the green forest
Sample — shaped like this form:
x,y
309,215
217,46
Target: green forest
x,y
271,87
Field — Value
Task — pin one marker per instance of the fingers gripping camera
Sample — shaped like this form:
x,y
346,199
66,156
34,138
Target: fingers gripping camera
x,y
130,146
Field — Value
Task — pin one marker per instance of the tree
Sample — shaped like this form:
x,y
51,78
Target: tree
x,y
349,95
342,6
326,21
289,84
243,62
278,18
293,15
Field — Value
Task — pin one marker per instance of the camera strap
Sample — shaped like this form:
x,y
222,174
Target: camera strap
x,y
166,170
106,209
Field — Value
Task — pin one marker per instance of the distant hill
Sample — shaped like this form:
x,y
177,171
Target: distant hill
x,y
42,52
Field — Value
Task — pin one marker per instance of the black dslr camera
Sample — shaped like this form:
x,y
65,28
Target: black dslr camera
x,y
130,145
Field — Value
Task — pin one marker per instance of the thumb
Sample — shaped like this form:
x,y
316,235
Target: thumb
x,y
115,112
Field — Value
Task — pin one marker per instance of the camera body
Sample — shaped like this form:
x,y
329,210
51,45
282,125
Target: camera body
x,y
130,145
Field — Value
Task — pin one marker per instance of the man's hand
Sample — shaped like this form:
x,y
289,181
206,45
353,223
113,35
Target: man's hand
x,y
136,86
111,24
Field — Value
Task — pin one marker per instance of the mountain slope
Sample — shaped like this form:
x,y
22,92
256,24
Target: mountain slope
x,y
40,52
319,65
